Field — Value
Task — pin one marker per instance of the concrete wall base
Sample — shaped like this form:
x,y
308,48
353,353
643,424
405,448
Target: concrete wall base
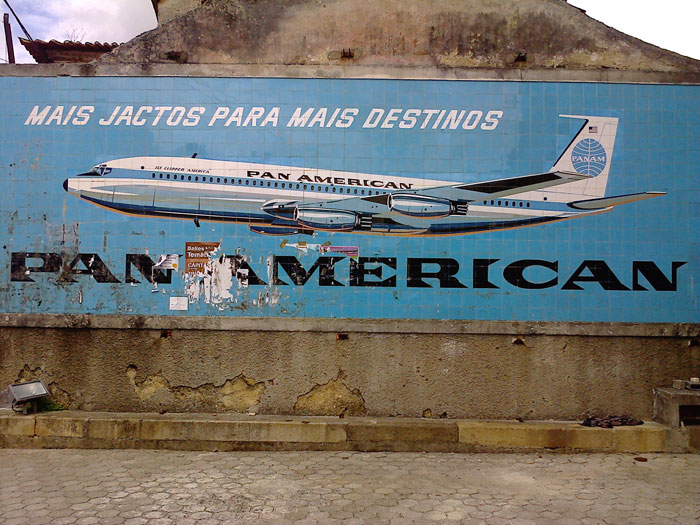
x,y
230,432
520,373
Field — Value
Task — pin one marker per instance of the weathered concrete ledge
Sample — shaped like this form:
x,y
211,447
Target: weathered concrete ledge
x,y
165,69
228,432
389,326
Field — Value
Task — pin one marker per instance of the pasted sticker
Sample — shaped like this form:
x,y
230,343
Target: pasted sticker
x,y
178,303
302,246
169,261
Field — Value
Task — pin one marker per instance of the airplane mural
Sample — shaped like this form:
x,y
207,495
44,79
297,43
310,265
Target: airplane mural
x,y
284,200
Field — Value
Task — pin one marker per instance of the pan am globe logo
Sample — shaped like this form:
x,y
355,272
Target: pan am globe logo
x,y
589,157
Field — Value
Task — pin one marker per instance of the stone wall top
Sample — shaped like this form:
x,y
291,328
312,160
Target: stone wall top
x,y
338,71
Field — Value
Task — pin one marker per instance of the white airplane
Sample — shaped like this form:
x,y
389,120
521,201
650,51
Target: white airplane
x,y
284,200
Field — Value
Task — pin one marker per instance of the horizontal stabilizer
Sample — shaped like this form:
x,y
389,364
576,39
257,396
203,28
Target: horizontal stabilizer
x,y
606,202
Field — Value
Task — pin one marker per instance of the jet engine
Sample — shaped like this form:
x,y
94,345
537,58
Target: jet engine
x,y
280,209
332,220
423,206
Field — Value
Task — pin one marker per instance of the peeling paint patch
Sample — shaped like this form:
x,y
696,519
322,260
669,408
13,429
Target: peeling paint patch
x,y
28,374
237,394
61,396
331,399
58,394
149,387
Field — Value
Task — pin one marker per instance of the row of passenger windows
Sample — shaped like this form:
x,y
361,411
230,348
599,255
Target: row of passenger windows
x,y
269,184
305,187
510,203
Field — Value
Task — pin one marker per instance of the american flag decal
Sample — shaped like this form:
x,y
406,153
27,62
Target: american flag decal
x,y
592,129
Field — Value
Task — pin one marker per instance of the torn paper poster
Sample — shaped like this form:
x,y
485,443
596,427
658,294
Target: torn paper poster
x,y
220,281
302,246
350,251
198,255
178,303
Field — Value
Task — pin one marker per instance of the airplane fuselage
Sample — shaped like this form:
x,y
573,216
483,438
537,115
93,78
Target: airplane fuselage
x,y
282,199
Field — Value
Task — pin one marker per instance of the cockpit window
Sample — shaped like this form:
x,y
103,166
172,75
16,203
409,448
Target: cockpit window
x,y
100,170
96,171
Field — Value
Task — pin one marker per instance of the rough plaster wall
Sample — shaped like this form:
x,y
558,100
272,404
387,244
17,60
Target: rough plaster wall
x,y
442,33
465,376
169,9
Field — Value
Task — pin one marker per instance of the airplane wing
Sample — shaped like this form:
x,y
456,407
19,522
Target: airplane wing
x,y
494,189
457,193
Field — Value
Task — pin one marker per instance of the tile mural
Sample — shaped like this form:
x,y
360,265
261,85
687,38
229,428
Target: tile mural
x,y
347,198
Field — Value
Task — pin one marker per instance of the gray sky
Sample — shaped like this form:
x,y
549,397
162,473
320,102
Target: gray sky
x,y
92,20
671,24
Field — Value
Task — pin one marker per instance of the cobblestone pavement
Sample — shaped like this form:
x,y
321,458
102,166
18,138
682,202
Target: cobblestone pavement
x,y
139,486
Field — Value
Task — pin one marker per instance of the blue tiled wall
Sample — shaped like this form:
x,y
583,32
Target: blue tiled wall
x,y
657,149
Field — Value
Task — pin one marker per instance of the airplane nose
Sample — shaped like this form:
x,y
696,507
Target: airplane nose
x,y
65,184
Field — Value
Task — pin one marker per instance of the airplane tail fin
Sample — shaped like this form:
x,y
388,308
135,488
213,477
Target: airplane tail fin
x,y
589,153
